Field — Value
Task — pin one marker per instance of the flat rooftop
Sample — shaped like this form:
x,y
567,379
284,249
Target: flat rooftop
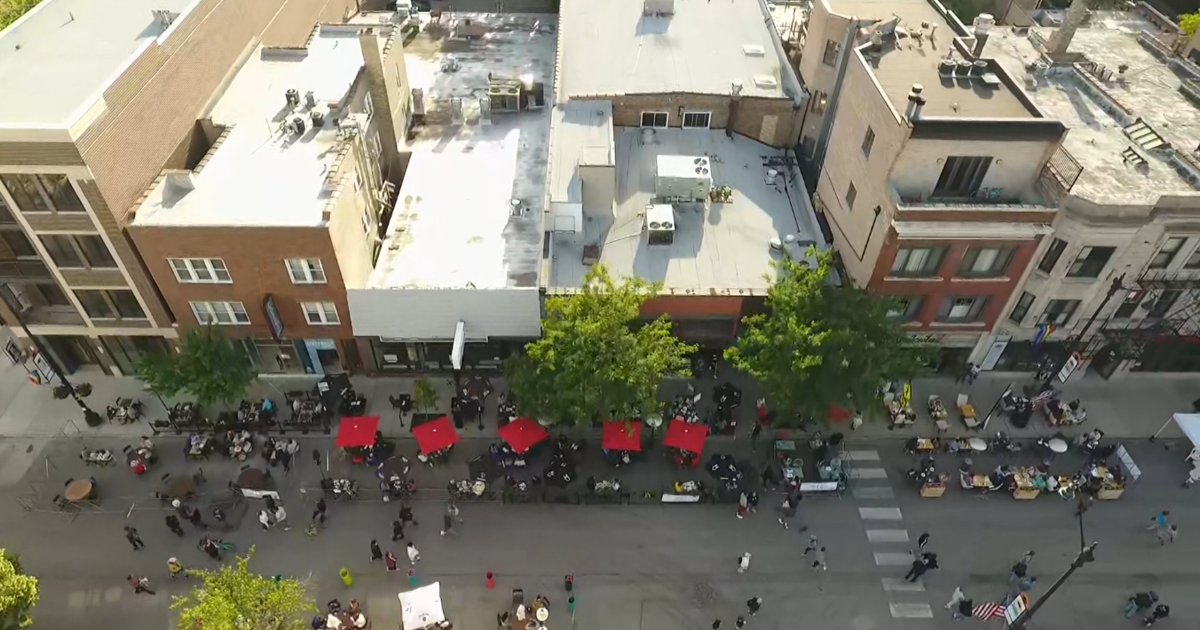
x,y
725,247
1095,136
611,48
905,61
454,225
60,57
262,175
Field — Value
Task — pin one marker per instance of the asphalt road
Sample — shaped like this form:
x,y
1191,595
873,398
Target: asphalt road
x,y
658,567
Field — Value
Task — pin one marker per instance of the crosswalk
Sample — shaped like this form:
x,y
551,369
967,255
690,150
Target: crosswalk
x,y
890,542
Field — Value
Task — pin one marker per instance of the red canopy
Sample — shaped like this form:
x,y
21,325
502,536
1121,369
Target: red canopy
x,y
522,433
435,435
356,431
621,435
686,436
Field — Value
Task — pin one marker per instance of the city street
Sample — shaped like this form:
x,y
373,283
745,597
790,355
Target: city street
x,y
660,567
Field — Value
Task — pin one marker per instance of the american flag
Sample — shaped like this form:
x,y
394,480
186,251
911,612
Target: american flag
x,y
983,612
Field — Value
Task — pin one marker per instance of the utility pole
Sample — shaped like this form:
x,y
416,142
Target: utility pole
x,y
1117,285
90,417
1086,555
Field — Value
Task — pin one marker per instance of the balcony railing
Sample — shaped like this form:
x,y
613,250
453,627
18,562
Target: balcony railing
x,y
23,270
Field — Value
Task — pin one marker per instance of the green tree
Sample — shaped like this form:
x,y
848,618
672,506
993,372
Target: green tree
x,y
596,357
12,10
209,366
233,598
1189,22
425,395
820,345
18,593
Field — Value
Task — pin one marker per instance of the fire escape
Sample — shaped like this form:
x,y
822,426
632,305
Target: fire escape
x,y
1156,324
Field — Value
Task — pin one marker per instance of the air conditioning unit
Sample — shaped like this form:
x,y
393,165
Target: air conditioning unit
x,y
683,177
660,224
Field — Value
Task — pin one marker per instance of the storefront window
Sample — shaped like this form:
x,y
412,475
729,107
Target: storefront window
x,y
125,351
277,357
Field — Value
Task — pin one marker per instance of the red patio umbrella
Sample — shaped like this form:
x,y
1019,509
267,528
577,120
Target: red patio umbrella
x,y
435,435
356,431
686,436
621,435
522,433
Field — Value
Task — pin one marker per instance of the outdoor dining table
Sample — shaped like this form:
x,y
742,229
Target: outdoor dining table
x,y
80,490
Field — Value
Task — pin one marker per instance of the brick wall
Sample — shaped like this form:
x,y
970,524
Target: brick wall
x,y
254,257
749,121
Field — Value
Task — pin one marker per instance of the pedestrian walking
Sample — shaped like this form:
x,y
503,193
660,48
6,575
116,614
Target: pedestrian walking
x,y
397,531
173,524
1173,531
916,571
140,584
448,524
264,519
1139,603
716,625
1023,586
788,511
754,433
413,555
819,559
740,623
973,373
174,568
1021,567
955,597
196,518
376,552
319,513
768,477
452,508
743,505
753,605
1159,521
922,540
406,515
752,497
389,561
1161,611
131,534
744,563
813,543
964,608
281,517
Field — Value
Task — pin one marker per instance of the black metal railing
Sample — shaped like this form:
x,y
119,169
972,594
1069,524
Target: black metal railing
x,y
1064,168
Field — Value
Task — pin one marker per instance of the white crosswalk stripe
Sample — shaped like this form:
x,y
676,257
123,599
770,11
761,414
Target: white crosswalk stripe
x,y
873,493
911,611
887,535
890,559
900,585
880,513
866,473
862,456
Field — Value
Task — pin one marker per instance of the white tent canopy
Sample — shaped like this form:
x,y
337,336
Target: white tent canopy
x,y
422,607
1189,423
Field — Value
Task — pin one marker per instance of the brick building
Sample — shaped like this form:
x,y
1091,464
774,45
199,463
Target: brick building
x,y
99,98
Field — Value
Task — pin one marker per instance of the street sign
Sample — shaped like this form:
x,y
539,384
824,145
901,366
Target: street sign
x,y
1016,608
1068,368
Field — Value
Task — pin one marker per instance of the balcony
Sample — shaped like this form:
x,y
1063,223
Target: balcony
x,y
1040,197
17,270
52,316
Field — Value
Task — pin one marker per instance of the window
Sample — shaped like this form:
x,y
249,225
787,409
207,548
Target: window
x,y
1163,304
903,309
819,101
306,270
1053,253
961,176
851,195
1058,312
62,251
985,262
368,106
358,181
696,120
126,304
654,119
96,305
43,193
832,48
6,215
221,313
1091,262
961,309
200,270
917,262
1193,261
1129,305
19,244
1167,252
95,251
321,313
868,142
1022,308
366,223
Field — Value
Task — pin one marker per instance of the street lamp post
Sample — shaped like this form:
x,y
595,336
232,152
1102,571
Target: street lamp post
x,y
1086,555
90,417
1008,390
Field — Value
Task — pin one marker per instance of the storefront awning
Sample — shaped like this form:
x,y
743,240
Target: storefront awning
x,y
460,342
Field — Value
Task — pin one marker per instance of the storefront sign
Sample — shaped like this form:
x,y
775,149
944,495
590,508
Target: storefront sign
x,y
273,318
1015,609
460,344
1068,368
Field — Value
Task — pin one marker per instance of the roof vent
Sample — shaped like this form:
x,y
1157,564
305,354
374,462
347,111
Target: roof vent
x,y
765,81
164,17
754,50
658,8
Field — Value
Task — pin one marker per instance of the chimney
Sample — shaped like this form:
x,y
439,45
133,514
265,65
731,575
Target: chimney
x,y
915,102
983,26
1060,40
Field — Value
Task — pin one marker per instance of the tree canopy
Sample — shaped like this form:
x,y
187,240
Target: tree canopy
x,y
1189,21
18,593
12,10
596,357
233,598
820,345
208,366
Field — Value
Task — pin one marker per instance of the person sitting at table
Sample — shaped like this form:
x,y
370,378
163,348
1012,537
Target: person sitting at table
x,y
540,602
146,446
354,608
334,606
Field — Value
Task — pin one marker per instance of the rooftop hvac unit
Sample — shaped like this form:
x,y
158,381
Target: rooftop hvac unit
x,y
660,224
683,177
293,98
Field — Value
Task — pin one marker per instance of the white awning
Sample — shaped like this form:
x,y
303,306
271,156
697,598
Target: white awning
x,y
422,607
460,342
1189,423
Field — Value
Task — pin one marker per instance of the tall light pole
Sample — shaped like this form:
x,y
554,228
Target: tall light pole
x,y
90,417
1086,555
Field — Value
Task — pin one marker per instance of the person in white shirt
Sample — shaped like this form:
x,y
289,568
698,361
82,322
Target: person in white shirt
x,y
413,554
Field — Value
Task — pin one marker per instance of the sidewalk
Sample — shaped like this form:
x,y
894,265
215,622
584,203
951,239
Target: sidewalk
x,y
1135,407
